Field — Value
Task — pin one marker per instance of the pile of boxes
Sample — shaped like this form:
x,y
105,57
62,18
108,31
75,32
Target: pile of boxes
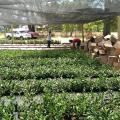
x,y
107,54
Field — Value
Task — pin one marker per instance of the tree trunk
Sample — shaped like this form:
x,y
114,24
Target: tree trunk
x,y
106,28
83,32
119,27
31,28
71,33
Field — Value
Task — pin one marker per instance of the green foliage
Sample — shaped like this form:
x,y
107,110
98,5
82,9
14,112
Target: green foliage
x,y
71,28
28,41
94,26
57,85
15,87
65,106
114,24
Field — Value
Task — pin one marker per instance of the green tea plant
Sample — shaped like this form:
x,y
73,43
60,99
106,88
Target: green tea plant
x,y
66,106
58,85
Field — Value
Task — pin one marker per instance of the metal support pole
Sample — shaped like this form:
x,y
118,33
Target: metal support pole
x,y
83,33
118,27
5,31
106,29
12,34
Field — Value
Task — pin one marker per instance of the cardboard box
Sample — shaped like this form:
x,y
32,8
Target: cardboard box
x,y
102,52
96,50
103,59
112,59
117,51
93,45
93,55
116,65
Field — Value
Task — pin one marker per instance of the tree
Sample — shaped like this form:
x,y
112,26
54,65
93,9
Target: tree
x,y
96,26
110,25
113,24
71,28
31,28
106,29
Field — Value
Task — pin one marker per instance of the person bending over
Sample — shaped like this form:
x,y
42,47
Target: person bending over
x,y
76,43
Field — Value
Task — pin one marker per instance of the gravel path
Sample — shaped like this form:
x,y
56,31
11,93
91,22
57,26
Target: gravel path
x,y
31,47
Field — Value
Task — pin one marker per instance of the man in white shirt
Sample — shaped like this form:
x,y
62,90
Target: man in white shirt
x,y
49,39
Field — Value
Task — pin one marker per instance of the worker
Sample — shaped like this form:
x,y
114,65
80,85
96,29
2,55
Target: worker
x,y
113,40
76,43
91,40
49,39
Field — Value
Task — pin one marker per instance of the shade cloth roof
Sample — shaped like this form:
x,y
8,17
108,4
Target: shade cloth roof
x,y
56,11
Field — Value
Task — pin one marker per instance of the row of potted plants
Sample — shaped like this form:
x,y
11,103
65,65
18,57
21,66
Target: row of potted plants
x,y
104,106
14,87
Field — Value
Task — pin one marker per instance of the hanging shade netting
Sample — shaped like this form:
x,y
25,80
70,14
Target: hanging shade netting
x,y
56,11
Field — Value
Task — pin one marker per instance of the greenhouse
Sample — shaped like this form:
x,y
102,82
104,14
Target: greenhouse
x,y
59,60
56,11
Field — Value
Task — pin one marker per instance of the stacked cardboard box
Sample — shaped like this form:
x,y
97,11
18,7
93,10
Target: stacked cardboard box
x,y
116,65
112,60
103,59
91,47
